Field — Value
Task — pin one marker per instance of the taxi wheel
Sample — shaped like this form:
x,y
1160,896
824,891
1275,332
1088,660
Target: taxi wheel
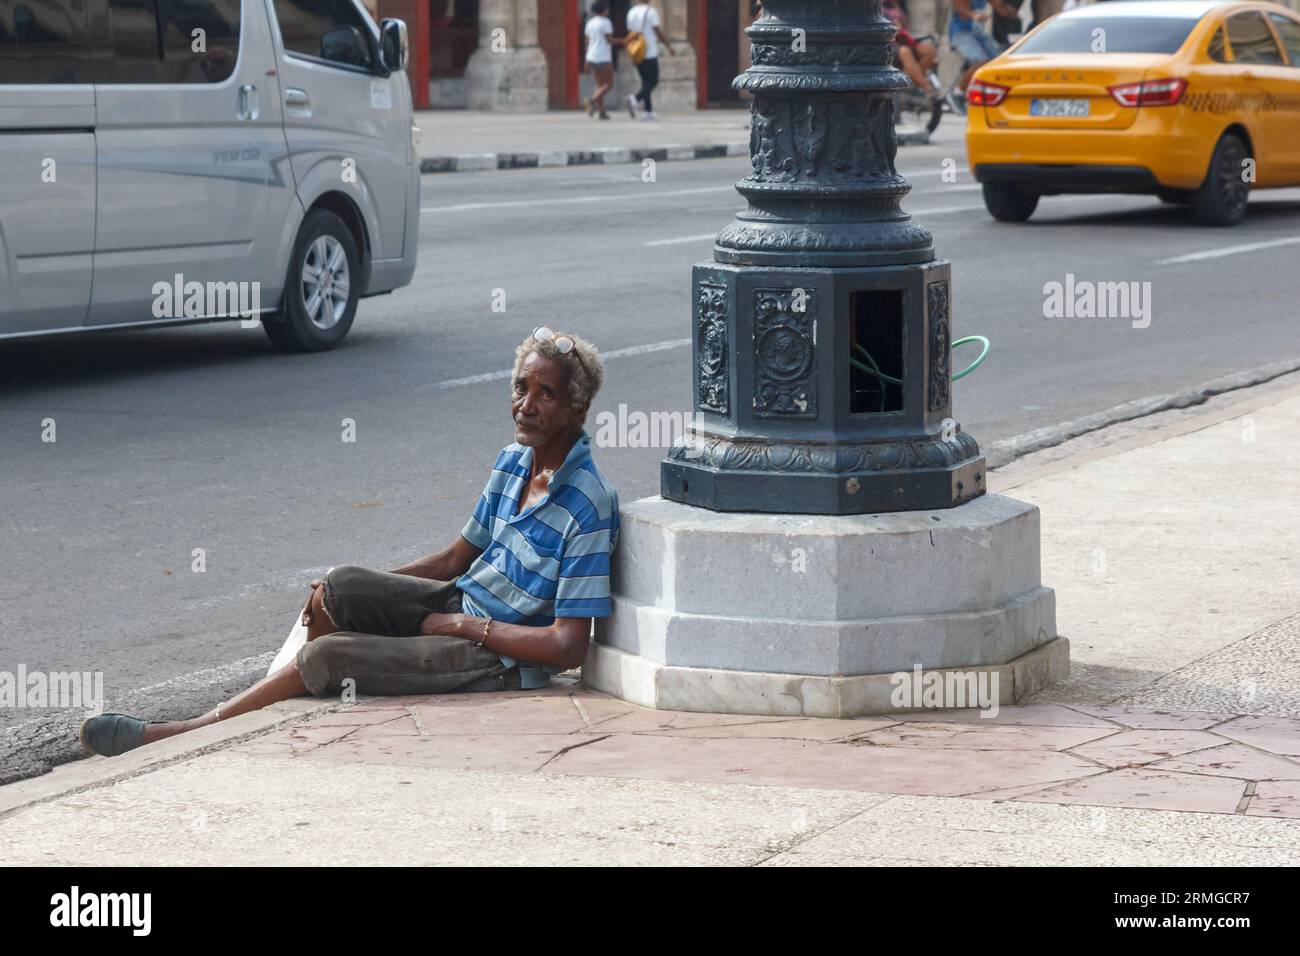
x,y
1222,198
1007,202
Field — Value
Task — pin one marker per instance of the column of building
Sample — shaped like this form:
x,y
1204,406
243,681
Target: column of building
x,y
508,70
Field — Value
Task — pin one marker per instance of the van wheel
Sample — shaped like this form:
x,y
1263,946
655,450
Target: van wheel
x,y
1007,202
321,289
1221,199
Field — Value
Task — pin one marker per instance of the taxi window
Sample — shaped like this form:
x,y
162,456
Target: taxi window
x,y
1289,31
1251,40
1109,34
1216,49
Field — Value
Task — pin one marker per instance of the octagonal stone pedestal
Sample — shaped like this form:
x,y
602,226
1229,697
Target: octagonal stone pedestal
x,y
818,615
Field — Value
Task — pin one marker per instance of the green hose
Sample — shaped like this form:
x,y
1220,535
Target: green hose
x,y
975,364
874,369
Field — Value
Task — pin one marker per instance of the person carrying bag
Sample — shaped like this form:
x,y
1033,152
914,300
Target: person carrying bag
x,y
642,44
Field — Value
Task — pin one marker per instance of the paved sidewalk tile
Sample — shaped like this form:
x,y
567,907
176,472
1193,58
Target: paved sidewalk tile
x,y
930,831
792,763
228,808
1149,789
1046,715
680,724
503,753
1233,760
1134,747
1278,735
987,736
1280,798
1153,720
1042,753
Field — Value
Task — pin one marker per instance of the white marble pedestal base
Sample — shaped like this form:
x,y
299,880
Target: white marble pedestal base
x,y
818,615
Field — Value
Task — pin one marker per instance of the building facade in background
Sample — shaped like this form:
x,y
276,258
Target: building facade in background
x,y
526,55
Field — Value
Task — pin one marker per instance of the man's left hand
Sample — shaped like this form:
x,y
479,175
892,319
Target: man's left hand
x,y
452,625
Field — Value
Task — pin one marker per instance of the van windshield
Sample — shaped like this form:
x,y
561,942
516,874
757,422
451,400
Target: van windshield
x,y
1102,34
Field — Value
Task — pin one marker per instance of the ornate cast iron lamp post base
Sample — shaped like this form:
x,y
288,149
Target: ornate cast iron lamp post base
x,y
823,397
822,327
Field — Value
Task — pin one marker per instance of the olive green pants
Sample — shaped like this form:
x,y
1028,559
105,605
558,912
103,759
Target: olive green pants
x,y
378,644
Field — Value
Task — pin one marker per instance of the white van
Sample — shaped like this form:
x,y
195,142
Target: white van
x,y
170,161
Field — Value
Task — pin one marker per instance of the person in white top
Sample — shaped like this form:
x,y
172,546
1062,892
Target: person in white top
x,y
599,32
644,19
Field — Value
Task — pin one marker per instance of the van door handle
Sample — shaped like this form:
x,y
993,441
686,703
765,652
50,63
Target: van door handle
x,y
296,97
247,103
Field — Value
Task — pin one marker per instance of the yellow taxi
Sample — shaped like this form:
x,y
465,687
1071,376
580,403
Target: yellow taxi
x,y
1196,101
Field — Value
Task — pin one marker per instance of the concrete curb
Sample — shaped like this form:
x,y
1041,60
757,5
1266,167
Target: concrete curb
x,y
607,155
93,772
1003,452
50,740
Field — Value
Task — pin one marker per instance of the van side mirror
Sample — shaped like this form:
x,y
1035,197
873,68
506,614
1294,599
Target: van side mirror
x,y
394,47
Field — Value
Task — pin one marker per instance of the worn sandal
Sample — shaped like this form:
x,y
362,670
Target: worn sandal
x,y
110,735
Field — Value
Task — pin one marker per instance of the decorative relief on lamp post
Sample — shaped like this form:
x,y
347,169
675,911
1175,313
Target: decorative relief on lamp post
x,y
822,290
712,392
936,296
785,369
788,141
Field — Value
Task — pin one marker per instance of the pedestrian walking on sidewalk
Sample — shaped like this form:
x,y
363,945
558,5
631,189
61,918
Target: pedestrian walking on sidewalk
x,y
508,604
599,33
645,33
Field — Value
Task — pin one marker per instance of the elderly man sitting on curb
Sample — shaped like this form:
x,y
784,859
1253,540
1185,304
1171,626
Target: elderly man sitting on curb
x,y
508,604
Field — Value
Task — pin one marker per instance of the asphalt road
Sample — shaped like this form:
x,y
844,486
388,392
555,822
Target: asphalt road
x,y
204,438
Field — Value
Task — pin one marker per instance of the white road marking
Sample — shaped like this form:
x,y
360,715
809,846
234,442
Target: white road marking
x,y
505,373
1227,251
929,211
672,242
940,210
640,195
711,235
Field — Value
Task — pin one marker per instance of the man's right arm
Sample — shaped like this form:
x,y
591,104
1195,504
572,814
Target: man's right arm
x,y
447,565
962,7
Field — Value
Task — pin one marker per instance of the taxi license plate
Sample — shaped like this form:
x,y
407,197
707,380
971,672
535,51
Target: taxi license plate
x,y
1059,107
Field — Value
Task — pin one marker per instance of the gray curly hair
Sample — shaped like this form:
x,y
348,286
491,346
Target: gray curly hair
x,y
585,376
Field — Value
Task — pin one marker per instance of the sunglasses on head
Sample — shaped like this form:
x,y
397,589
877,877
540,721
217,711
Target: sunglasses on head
x,y
563,343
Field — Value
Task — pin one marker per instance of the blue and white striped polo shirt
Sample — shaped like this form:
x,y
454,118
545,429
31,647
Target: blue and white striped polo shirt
x,y
550,561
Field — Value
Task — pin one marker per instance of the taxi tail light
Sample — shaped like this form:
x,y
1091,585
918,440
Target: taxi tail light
x,y
984,93
1149,92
